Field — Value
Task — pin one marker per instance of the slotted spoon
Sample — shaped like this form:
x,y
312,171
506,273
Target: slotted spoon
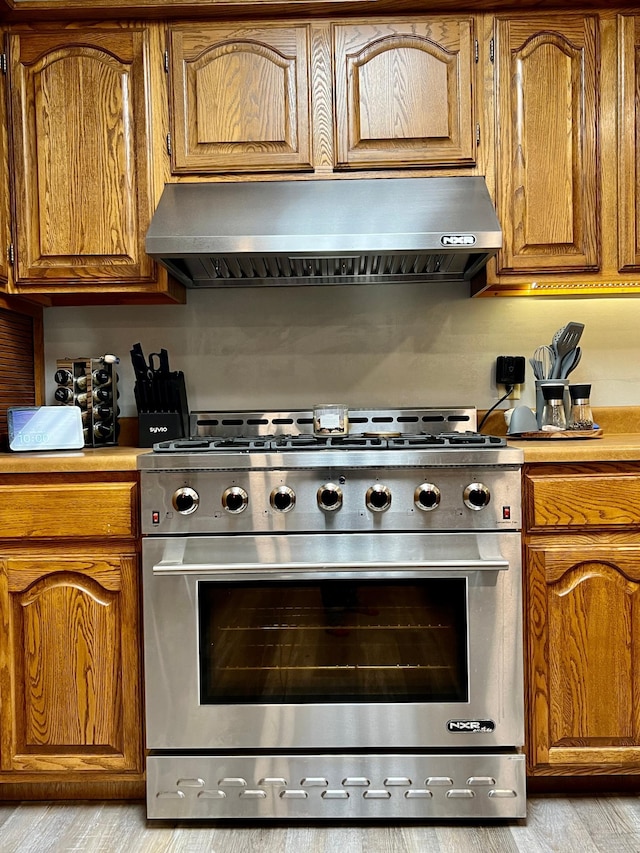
x,y
563,344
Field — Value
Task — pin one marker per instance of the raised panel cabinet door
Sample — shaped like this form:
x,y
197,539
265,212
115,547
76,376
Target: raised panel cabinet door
x,y
629,142
583,615
81,158
546,143
70,663
240,98
403,93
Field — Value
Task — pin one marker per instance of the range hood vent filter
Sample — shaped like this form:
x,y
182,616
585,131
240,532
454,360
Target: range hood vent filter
x,y
325,232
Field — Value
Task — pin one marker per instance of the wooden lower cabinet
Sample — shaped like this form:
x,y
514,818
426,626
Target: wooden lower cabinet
x,y
582,598
70,660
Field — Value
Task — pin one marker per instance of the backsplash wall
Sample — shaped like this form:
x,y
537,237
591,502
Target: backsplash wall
x,y
361,344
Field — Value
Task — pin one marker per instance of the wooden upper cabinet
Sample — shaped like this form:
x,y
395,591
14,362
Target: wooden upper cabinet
x,y
403,93
629,142
240,98
81,158
322,96
546,142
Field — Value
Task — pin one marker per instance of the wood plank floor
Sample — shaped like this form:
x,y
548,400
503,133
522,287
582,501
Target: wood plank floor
x,y
555,824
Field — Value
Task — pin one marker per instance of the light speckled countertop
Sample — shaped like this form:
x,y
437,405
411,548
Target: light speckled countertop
x,y
69,461
617,447
620,442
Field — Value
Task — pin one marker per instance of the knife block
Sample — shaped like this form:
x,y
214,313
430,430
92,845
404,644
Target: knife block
x,y
159,426
169,419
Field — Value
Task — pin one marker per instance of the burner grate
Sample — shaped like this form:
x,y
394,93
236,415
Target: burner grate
x,y
416,441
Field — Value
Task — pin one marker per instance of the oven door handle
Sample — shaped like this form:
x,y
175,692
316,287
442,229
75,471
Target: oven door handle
x,y
353,568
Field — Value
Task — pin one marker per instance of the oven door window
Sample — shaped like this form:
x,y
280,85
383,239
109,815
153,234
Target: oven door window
x,y
328,641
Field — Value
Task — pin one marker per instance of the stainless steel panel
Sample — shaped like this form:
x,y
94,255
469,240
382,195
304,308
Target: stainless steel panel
x,y
502,512
413,798
357,556
324,231
176,719
427,419
458,457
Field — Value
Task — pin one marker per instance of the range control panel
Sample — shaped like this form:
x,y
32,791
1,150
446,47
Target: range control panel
x,y
330,500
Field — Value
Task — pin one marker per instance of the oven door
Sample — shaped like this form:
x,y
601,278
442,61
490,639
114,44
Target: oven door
x,y
340,641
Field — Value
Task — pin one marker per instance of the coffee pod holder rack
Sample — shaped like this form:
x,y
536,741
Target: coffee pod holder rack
x,y
92,385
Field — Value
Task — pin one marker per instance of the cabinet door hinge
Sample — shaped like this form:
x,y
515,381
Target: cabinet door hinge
x,y
492,50
169,144
11,256
476,51
166,62
478,134
3,63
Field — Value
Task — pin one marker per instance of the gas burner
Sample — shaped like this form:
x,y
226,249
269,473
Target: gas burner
x,y
203,445
249,442
314,442
443,440
475,438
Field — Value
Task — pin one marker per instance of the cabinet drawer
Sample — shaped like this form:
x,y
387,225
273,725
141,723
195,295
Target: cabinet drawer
x,y
75,510
573,500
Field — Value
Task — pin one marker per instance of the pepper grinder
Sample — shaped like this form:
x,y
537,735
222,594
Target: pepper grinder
x,y
553,415
581,416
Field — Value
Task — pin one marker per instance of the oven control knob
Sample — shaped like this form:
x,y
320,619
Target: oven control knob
x,y
283,499
378,498
329,497
427,497
185,500
235,499
476,496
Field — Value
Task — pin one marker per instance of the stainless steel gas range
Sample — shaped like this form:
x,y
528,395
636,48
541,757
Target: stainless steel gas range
x,y
332,625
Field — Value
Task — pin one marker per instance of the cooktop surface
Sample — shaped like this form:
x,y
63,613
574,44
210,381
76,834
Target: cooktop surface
x,y
352,441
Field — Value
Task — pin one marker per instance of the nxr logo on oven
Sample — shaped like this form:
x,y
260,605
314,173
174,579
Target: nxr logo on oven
x,y
471,726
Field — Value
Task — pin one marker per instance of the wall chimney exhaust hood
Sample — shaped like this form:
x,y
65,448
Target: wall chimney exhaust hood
x,y
334,231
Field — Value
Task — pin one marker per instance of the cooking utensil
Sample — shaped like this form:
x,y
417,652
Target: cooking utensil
x,y
576,361
563,342
569,362
536,366
546,358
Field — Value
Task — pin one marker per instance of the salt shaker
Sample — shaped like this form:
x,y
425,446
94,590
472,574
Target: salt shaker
x,y
553,416
581,416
